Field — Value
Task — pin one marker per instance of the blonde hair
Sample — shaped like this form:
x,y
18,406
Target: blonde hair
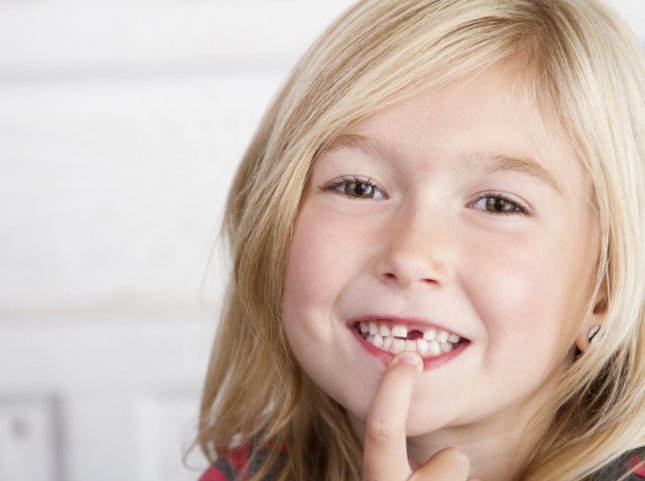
x,y
581,66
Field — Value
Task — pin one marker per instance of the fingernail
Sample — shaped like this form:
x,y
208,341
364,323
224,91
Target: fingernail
x,y
409,358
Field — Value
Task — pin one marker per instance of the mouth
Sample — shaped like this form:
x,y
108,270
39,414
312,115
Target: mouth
x,y
396,337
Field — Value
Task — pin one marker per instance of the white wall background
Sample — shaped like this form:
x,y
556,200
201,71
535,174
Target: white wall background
x,y
121,123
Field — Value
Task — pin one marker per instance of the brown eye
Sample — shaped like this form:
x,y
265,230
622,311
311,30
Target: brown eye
x,y
493,203
356,188
498,205
359,189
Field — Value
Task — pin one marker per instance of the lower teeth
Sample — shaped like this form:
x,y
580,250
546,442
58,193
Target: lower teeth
x,y
396,345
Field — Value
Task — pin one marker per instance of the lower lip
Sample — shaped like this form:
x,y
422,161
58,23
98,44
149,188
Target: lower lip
x,y
428,362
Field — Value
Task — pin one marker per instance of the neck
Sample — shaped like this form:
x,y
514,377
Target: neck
x,y
496,453
500,446
498,449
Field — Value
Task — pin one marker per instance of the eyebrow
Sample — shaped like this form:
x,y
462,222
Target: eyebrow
x,y
484,161
375,147
495,162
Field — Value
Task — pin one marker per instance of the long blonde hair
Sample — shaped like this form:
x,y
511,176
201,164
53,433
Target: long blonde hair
x,y
579,64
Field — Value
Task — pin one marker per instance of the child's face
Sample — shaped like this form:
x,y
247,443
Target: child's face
x,y
471,227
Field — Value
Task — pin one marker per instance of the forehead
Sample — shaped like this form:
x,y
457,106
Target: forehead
x,y
479,122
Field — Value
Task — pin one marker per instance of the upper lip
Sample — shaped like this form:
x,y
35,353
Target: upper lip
x,y
413,322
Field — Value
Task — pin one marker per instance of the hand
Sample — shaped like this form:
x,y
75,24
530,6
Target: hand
x,y
385,457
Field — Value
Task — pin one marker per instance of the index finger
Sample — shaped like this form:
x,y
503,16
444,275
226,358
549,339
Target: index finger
x,y
385,452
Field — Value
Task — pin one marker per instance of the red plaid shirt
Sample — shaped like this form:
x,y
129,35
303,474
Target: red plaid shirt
x,y
234,465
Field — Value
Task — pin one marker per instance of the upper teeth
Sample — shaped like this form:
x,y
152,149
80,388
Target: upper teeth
x,y
393,338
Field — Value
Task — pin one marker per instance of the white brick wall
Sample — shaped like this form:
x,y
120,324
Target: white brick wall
x,y
120,126
121,123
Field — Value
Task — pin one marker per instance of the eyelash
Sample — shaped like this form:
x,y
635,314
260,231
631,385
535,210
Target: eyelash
x,y
491,198
497,198
345,181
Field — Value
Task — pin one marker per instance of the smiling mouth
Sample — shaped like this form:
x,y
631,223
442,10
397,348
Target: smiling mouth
x,y
396,338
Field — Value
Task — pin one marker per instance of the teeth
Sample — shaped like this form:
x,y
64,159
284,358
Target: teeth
x,y
399,331
430,334
398,345
372,328
442,336
422,346
394,339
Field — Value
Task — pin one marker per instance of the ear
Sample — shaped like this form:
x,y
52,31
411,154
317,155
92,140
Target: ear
x,y
592,326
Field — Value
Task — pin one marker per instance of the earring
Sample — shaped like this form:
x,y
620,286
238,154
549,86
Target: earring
x,y
592,333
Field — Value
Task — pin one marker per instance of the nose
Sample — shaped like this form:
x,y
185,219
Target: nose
x,y
420,249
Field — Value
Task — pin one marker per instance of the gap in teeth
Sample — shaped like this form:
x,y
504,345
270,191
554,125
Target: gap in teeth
x,y
398,338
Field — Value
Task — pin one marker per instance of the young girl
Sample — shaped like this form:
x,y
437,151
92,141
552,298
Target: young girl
x,y
438,235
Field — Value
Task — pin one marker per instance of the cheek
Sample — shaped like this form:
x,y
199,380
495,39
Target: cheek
x,y
310,267
317,269
325,254
529,301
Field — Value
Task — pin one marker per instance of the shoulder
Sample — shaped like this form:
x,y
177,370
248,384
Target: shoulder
x,y
629,467
637,465
217,472
236,464
231,466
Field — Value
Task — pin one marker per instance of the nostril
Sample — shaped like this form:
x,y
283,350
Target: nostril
x,y
431,281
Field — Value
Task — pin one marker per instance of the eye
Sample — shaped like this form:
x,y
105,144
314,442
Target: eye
x,y
355,187
498,204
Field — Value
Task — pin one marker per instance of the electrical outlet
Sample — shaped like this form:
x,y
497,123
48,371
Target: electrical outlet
x,y
28,439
